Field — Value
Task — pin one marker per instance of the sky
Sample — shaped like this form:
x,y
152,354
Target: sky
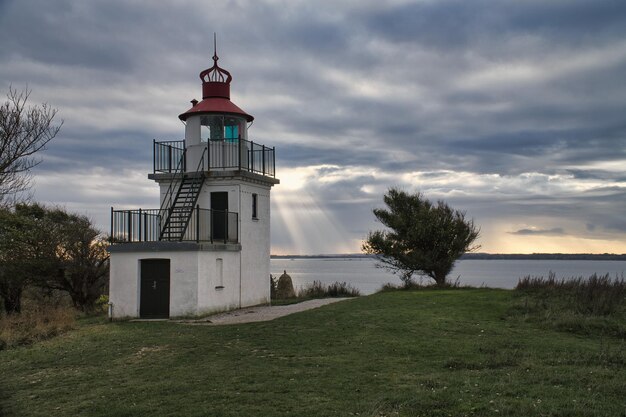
x,y
512,111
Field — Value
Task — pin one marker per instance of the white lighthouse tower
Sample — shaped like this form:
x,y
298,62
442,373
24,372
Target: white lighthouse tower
x,y
206,248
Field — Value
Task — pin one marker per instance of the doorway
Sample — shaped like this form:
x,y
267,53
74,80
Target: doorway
x,y
154,296
219,214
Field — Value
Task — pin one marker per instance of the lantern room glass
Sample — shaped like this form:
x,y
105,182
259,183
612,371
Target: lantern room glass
x,y
222,128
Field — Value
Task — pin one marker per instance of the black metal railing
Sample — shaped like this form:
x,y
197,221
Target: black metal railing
x,y
175,184
167,155
226,154
261,159
144,225
187,192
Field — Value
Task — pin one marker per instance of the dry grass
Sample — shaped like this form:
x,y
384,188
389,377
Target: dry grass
x,y
597,295
35,324
336,289
594,306
318,290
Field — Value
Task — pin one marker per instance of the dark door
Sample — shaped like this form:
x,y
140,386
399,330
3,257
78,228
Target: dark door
x,y
219,214
154,301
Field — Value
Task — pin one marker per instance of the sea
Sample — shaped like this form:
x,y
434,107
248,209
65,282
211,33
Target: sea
x,y
363,274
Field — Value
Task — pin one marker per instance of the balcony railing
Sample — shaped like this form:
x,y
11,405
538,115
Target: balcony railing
x,y
145,225
167,154
227,154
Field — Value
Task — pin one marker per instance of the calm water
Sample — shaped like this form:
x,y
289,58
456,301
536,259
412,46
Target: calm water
x,y
363,274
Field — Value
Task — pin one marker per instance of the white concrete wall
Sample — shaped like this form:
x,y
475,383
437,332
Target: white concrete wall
x,y
229,186
204,199
194,153
183,282
124,284
192,282
212,298
251,267
255,245
254,234
192,130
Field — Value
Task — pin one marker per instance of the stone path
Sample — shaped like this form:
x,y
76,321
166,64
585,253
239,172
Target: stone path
x,y
263,313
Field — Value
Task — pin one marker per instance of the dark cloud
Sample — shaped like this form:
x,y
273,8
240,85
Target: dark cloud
x,y
522,102
616,225
556,231
452,24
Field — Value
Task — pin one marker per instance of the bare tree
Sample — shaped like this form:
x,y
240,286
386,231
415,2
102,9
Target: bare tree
x,y
24,130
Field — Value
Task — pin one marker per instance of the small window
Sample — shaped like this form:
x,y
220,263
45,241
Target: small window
x,y
219,273
254,206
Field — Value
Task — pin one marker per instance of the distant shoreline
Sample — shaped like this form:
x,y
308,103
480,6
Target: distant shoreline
x,y
484,256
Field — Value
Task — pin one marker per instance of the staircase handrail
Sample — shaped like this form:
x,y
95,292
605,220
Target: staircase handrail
x,y
167,200
198,180
199,174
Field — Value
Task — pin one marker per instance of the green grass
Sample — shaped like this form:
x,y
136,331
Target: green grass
x,y
404,353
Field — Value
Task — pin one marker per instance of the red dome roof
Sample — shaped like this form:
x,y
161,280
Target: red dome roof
x,y
215,94
216,105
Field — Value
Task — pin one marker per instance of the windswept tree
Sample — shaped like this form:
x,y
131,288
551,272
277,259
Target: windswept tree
x,y
24,131
422,238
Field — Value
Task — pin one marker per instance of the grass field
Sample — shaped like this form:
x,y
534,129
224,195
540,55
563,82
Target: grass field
x,y
405,353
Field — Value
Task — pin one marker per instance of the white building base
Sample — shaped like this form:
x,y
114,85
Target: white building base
x,y
203,278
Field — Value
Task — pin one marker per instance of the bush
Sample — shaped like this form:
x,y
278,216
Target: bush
x,y
102,305
34,325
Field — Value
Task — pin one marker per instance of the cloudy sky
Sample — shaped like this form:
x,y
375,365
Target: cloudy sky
x,y
514,111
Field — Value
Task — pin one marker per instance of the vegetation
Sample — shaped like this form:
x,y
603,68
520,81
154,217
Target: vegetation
x,y
459,352
422,238
18,259
588,306
419,286
311,291
81,259
36,324
24,131
51,249
336,289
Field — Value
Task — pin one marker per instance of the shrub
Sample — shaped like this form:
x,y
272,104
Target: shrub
x,y
313,290
102,304
341,289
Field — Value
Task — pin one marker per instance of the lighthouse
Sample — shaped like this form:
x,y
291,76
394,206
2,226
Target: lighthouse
x,y
206,247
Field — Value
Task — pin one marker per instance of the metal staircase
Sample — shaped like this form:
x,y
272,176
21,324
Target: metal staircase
x,y
176,209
